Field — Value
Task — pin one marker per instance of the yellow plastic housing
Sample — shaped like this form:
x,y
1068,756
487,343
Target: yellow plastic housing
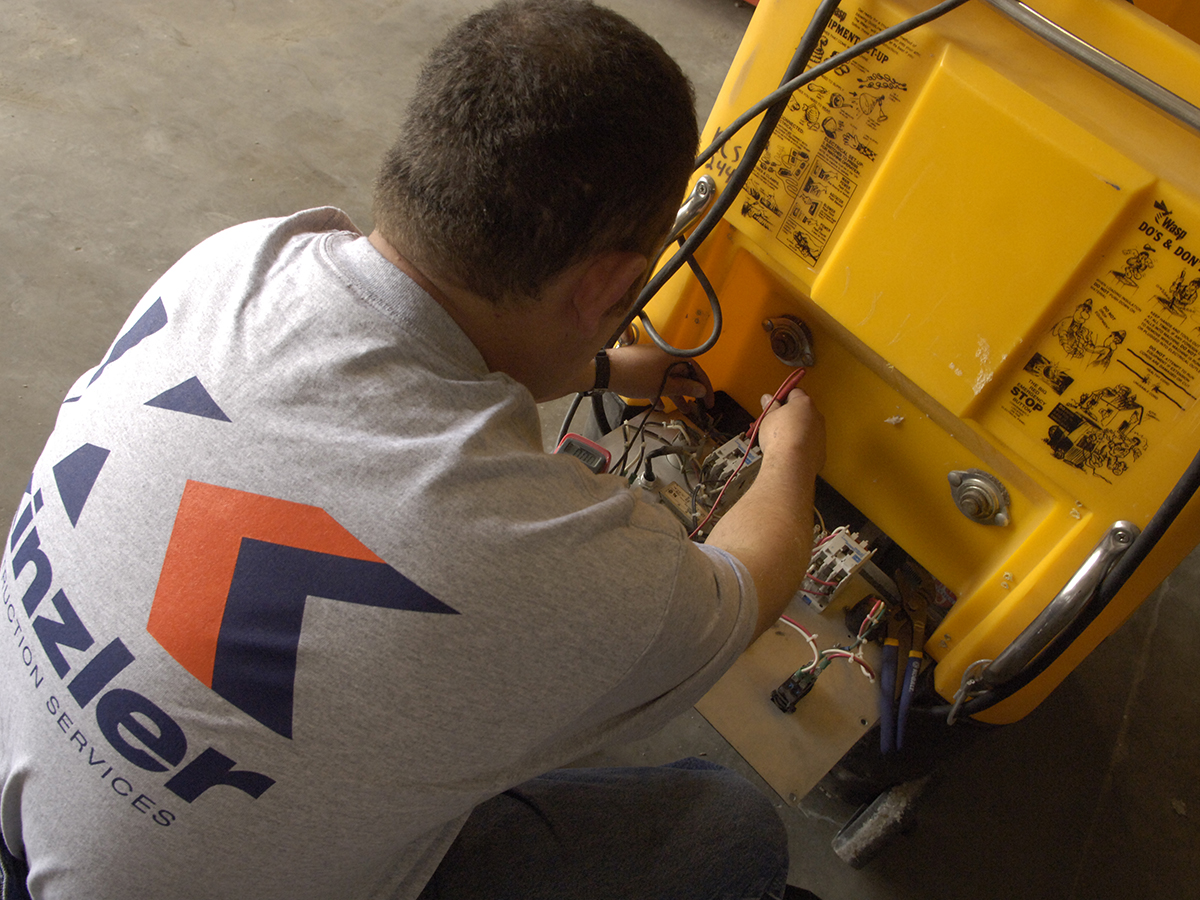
x,y
998,253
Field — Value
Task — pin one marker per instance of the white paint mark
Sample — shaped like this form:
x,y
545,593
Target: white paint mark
x,y
984,355
874,306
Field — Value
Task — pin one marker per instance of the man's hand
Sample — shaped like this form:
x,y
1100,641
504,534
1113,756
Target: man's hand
x,y
770,528
638,370
796,428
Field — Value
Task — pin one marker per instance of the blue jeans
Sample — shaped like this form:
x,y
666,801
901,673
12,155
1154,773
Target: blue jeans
x,y
692,830
13,873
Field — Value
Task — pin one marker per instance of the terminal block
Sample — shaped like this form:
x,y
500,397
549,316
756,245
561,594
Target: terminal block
x,y
834,559
792,691
725,466
726,475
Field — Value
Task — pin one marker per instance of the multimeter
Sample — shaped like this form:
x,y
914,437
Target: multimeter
x,y
590,453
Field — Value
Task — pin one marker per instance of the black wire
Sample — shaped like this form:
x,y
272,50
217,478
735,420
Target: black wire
x,y
714,304
1112,583
754,150
662,386
598,412
775,104
851,52
571,410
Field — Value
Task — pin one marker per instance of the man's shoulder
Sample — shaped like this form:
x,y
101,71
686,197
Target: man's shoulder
x,y
271,233
315,220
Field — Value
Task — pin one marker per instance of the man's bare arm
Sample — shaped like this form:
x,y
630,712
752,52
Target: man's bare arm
x,y
770,528
643,370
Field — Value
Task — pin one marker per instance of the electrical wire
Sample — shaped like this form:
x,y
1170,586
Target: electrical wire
x,y
774,105
808,636
824,657
781,392
566,423
619,468
873,618
784,389
754,150
714,305
838,59
685,455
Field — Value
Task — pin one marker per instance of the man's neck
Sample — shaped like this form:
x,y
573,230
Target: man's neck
x,y
526,341
401,262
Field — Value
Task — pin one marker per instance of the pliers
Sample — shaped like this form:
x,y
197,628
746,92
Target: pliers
x,y
893,714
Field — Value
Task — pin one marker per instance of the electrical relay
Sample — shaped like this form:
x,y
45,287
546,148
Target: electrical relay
x,y
834,559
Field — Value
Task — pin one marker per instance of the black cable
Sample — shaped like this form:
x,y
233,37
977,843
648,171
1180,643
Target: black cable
x,y
775,104
851,52
1112,583
571,410
754,150
662,386
598,412
714,304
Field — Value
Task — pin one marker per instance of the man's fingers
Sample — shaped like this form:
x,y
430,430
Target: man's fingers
x,y
688,388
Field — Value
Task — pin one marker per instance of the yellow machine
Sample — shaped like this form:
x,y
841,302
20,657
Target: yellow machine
x,y
990,247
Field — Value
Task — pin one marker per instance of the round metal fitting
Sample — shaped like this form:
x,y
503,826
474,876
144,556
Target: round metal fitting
x,y
791,341
1124,536
980,496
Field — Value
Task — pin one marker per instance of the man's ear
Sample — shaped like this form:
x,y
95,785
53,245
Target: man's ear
x,y
604,287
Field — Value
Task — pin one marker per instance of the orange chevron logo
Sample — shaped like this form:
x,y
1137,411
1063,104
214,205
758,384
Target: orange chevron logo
x,y
238,570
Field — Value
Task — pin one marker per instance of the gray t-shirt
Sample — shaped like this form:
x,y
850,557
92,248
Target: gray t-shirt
x,y
293,588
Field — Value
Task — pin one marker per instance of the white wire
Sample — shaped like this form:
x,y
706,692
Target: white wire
x,y
808,637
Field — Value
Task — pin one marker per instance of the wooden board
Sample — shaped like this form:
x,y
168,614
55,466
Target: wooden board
x,y
793,751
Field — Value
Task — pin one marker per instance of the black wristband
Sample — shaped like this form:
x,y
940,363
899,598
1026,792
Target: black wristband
x,y
603,370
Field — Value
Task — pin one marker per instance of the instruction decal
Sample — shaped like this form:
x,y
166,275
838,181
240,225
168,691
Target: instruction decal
x,y
831,134
1123,357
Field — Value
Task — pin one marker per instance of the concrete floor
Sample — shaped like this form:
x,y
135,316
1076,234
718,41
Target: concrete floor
x,y
130,130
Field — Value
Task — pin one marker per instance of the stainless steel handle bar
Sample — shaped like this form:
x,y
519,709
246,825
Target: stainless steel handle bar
x,y
1062,610
1150,91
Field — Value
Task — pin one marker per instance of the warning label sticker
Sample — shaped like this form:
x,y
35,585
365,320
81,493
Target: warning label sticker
x,y
833,130
1125,360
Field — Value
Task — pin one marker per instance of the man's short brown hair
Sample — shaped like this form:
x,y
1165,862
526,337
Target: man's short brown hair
x,y
541,132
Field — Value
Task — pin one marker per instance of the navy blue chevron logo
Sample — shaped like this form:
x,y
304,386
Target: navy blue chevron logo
x,y
152,320
76,475
270,588
189,397
237,576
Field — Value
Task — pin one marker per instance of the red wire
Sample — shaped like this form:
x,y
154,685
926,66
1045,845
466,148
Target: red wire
x,y
842,654
798,626
862,629
790,382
